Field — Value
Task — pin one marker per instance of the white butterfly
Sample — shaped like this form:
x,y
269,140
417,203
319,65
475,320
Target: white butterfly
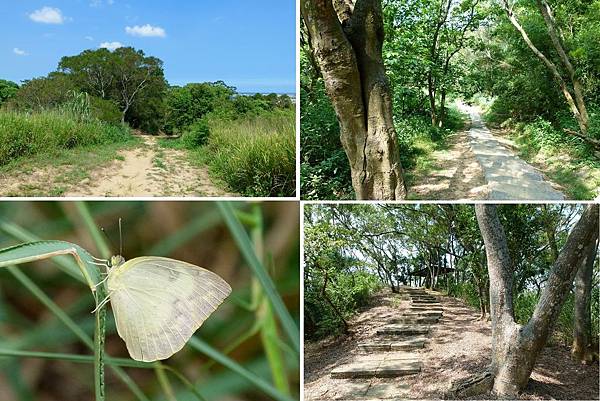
x,y
159,303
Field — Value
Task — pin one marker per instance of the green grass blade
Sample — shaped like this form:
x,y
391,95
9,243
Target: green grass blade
x,y
246,248
31,286
93,229
124,362
212,353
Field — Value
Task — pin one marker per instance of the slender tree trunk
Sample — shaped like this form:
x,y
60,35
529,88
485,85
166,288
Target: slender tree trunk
x,y
564,59
347,43
582,320
576,107
515,347
333,307
442,113
432,105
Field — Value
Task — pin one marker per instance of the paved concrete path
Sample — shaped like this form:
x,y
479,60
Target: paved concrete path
x,y
508,177
391,353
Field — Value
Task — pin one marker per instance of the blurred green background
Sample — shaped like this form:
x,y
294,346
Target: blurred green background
x,y
262,364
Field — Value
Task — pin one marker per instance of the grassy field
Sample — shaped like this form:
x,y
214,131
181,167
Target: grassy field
x,y
65,145
26,134
253,156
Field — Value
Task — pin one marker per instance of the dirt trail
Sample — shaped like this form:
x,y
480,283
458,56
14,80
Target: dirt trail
x,y
458,346
455,174
148,171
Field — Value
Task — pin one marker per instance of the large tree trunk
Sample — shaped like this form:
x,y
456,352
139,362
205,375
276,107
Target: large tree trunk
x,y
347,43
514,347
582,321
577,105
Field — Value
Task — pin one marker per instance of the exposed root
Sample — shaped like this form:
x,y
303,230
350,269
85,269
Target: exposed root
x,y
472,386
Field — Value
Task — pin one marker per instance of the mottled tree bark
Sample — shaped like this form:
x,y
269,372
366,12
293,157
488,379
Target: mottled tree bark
x,y
582,330
346,39
515,347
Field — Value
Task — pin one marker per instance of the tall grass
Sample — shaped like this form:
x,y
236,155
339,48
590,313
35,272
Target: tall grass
x,y
255,156
29,133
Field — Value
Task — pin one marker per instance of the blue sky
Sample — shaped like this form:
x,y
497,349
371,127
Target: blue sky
x,y
247,44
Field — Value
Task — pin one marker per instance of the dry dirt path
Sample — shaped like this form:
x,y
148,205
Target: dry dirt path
x,y
148,171
456,347
455,174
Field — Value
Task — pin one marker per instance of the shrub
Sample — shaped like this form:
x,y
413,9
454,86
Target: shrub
x,y
105,110
196,134
325,170
255,156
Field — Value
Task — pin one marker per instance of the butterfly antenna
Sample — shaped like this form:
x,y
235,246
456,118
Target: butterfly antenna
x,y
112,244
120,239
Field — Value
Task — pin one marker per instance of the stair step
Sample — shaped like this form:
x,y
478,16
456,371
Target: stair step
x,y
402,329
417,319
387,345
377,368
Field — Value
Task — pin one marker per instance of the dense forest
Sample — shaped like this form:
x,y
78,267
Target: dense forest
x,y
526,266
379,100
100,97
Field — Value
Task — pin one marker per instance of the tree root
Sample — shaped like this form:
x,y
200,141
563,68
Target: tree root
x,y
472,386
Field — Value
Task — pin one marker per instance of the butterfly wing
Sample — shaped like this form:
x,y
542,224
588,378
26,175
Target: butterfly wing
x,y
159,303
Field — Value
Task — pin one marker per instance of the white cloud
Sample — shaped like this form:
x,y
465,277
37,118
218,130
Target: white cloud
x,y
47,15
100,3
20,52
146,31
111,45
90,38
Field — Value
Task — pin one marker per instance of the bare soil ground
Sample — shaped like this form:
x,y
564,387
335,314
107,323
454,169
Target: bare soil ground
x,y
459,346
455,174
146,170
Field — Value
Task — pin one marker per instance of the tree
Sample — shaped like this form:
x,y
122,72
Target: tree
x,y
515,347
346,40
126,76
582,348
8,90
573,94
46,92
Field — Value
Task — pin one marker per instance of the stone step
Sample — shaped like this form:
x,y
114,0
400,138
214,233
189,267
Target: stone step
x,y
416,319
402,329
377,368
392,343
423,298
426,313
424,309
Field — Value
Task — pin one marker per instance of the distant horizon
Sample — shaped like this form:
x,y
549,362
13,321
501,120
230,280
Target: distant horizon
x,y
236,41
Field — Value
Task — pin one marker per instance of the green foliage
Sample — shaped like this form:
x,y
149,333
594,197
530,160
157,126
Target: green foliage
x,y
255,156
8,90
347,290
44,93
194,101
196,134
126,76
524,305
324,171
105,110
25,134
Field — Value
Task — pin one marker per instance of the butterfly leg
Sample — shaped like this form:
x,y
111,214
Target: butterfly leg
x,y
102,303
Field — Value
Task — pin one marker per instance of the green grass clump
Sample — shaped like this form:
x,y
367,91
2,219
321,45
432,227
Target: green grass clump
x,y
254,156
25,134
